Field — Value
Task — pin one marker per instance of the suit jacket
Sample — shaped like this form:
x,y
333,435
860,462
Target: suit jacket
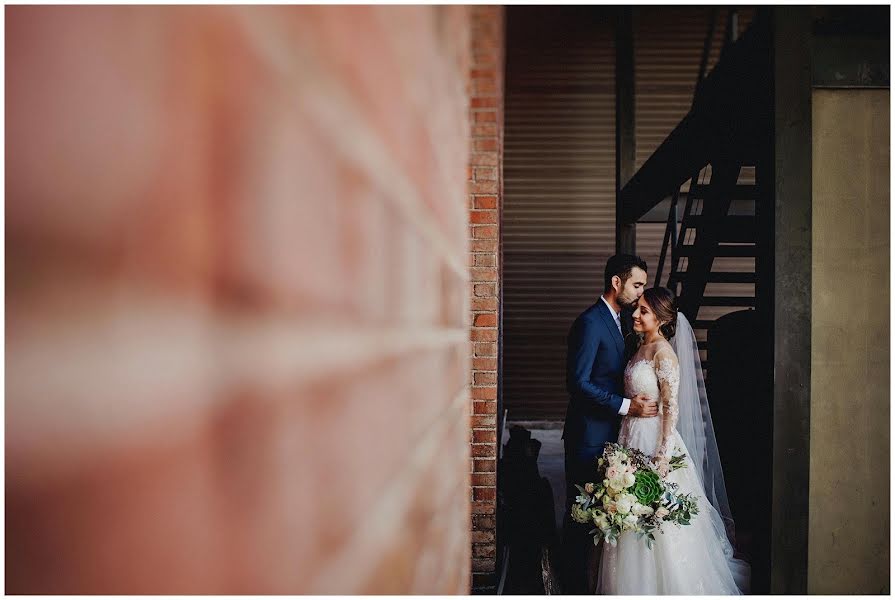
x,y
595,365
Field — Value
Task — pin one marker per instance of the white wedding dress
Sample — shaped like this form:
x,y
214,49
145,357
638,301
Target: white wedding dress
x,y
691,559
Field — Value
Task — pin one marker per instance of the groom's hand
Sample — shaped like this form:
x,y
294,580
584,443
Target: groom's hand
x,y
642,406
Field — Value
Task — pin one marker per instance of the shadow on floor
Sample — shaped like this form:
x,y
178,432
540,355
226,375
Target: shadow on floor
x,y
531,503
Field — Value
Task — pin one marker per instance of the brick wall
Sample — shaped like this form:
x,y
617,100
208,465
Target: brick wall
x,y
237,319
485,193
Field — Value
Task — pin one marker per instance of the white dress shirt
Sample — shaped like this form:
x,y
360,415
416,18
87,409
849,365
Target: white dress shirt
x,y
626,402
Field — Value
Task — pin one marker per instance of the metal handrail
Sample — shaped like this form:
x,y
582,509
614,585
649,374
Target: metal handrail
x,y
671,228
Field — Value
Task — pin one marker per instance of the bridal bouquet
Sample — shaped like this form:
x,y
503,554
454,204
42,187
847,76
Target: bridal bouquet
x,y
631,497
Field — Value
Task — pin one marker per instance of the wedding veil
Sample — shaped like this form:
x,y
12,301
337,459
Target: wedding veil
x,y
695,425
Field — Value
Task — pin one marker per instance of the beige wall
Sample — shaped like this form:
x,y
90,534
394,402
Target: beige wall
x,y
849,506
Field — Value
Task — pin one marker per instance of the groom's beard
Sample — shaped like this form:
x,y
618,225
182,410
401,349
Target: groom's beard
x,y
625,303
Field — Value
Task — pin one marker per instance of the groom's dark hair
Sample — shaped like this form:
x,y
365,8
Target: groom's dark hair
x,y
621,265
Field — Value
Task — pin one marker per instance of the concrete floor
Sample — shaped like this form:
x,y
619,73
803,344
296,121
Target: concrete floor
x,y
550,460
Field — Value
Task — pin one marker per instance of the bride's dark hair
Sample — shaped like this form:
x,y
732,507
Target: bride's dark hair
x,y
663,303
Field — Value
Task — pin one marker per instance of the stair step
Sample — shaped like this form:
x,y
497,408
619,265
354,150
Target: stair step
x,y
731,229
720,277
728,301
725,251
740,192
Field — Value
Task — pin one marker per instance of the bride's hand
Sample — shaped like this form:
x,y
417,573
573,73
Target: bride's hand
x,y
663,466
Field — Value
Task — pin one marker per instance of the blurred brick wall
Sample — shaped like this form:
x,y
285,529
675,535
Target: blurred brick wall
x,y
237,313
485,178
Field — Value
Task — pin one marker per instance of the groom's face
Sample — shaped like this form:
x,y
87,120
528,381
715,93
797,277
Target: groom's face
x,y
630,292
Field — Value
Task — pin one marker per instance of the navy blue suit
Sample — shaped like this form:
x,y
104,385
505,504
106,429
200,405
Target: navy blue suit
x,y
595,366
595,363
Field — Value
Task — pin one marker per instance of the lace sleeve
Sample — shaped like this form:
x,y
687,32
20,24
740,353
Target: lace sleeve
x,y
668,374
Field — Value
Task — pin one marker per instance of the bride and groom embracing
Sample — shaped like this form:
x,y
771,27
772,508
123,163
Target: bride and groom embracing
x,y
655,402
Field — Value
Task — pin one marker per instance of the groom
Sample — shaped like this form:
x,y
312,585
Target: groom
x,y
594,379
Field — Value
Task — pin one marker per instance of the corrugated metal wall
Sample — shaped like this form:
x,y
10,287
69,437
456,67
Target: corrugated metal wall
x,y
559,171
559,192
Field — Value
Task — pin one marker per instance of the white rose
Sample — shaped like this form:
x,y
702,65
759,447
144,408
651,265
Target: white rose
x,y
624,505
641,510
628,479
611,473
662,512
630,521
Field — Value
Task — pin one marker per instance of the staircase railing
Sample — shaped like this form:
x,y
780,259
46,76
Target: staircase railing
x,y
674,231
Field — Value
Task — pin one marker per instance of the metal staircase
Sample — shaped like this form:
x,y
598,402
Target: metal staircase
x,y
718,220
710,229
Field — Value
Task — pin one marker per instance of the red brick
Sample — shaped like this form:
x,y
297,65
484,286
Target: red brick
x,y
483,274
483,245
485,406
486,320
484,290
482,421
484,159
483,508
483,393
484,479
484,465
484,102
485,83
483,335
484,364
482,187
483,450
480,494
484,378
485,130
486,73
485,145
484,87
485,173
481,436
486,57
226,230
482,216
483,565
484,349
483,537
482,522
484,232
485,202
483,260
484,304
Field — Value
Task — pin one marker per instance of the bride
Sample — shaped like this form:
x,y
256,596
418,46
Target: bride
x,y
696,558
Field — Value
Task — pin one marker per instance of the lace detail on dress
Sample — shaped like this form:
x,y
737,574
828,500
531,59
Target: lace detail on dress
x,y
668,375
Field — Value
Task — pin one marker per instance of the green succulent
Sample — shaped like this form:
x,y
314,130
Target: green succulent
x,y
647,487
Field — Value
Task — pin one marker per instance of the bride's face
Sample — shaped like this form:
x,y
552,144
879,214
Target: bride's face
x,y
645,320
